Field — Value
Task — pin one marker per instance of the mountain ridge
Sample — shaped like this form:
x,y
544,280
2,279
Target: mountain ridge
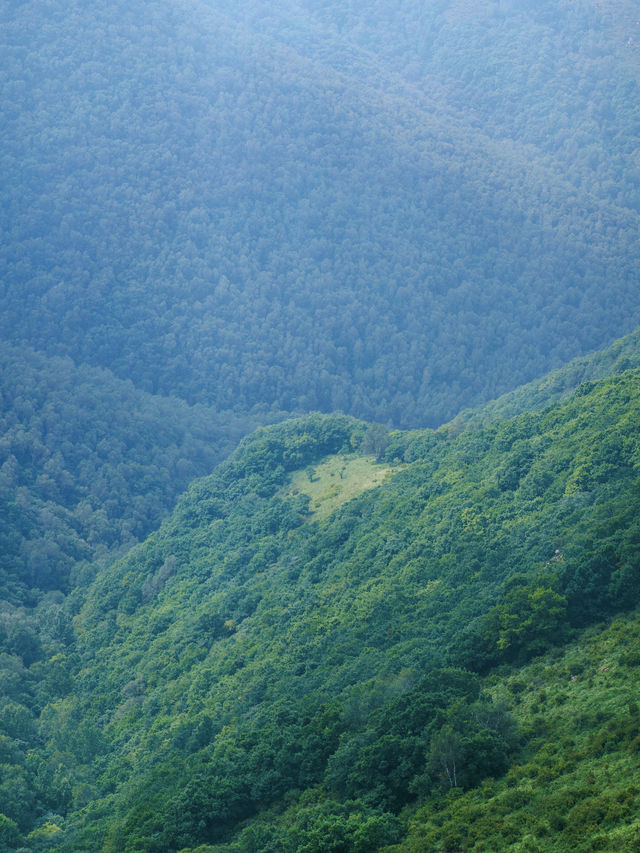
x,y
220,635
320,612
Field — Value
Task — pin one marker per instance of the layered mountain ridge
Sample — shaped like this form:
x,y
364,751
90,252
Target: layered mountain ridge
x,y
408,620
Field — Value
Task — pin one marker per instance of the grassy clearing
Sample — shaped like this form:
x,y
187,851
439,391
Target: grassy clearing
x,y
336,480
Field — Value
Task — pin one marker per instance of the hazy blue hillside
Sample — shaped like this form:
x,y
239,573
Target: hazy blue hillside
x,y
623,354
386,209
300,652
546,73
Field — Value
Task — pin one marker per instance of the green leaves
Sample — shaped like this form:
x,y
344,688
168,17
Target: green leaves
x,y
530,619
246,654
10,836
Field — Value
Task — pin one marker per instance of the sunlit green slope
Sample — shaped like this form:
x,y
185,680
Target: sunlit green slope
x,y
576,784
252,656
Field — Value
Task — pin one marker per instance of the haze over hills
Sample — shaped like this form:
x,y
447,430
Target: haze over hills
x,y
336,635
393,209
89,465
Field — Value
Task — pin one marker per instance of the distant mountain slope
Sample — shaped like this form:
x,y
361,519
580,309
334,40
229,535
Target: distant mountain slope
x,y
251,657
89,465
520,70
243,204
623,354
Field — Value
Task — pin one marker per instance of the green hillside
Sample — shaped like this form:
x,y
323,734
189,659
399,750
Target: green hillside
x,y
89,465
623,354
575,786
275,577
259,677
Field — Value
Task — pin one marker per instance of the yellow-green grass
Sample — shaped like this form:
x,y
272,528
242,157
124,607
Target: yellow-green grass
x,y
337,480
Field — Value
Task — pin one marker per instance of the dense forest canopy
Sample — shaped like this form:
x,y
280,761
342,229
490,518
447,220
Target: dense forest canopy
x,y
389,209
89,465
405,620
258,671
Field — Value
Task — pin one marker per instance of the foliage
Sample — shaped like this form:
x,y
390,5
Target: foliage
x,y
9,834
575,785
248,654
89,465
390,209
214,213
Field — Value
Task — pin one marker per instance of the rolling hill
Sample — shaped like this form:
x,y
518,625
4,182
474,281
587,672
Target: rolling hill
x,y
261,672
255,206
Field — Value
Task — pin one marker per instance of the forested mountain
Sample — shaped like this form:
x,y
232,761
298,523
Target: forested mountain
x,y
89,465
322,647
392,209
345,635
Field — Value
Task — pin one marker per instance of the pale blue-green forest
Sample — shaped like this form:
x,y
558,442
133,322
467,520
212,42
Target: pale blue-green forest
x,y
319,411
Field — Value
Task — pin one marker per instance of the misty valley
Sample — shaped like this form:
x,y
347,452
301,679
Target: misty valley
x,y
319,426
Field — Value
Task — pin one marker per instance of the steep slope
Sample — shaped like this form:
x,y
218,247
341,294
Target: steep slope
x,y
243,205
575,787
89,466
250,651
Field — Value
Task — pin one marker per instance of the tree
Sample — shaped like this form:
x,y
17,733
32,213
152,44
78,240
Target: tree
x,y
375,441
446,754
530,618
10,837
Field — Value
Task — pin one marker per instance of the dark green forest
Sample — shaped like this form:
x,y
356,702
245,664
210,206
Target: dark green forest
x,y
390,209
261,676
88,467
319,413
